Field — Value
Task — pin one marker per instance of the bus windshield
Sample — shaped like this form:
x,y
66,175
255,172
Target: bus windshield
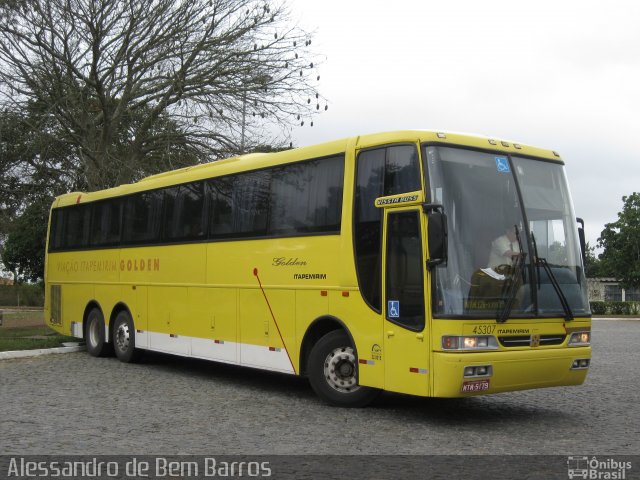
x,y
512,237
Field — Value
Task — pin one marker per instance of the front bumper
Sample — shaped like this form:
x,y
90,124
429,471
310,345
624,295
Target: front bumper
x,y
514,370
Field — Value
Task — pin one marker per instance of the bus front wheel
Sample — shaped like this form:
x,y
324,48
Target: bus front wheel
x,y
124,338
333,372
94,334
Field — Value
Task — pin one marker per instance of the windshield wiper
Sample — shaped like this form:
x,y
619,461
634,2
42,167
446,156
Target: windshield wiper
x,y
542,262
518,272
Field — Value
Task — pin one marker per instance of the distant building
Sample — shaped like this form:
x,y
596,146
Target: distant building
x,y
608,289
6,281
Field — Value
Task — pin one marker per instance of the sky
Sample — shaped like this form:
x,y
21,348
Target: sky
x,y
562,74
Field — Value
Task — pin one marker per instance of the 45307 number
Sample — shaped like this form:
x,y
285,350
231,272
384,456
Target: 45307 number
x,y
484,329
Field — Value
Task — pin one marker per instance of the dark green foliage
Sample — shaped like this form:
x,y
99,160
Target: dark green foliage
x,y
621,243
24,248
594,267
615,308
598,308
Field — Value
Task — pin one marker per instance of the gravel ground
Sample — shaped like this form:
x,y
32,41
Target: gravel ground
x,y
74,403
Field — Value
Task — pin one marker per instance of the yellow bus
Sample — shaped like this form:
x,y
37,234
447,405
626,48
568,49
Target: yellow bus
x,y
427,263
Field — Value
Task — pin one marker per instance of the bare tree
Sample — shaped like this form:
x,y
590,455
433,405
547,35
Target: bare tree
x,y
128,83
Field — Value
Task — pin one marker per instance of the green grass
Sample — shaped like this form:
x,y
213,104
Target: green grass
x,y
31,338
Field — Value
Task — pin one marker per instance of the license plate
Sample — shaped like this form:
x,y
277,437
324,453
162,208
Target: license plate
x,y
475,386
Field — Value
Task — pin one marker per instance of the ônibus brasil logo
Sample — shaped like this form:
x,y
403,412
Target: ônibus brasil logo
x,y
597,469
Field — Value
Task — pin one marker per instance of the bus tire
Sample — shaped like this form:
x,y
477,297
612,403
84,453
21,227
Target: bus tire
x,y
333,370
94,334
124,338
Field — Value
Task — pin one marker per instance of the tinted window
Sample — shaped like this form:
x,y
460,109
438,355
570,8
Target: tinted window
x,y
404,283
105,222
220,216
293,199
287,200
307,197
57,224
402,172
251,203
184,212
368,228
142,217
76,228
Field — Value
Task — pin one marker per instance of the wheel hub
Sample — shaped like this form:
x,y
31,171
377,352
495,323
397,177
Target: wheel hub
x,y
94,332
340,370
122,337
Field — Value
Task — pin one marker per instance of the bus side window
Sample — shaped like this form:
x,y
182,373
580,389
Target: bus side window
x,y
184,212
251,203
192,210
306,197
142,218
293,199
57,223
220,211
367,224
402,172
76,229
105,222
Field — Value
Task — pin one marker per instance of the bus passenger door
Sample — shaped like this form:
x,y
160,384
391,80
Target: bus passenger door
x,y
406,342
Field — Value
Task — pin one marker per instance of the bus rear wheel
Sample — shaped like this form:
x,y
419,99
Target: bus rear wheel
x,y
124,338
333,372
94,334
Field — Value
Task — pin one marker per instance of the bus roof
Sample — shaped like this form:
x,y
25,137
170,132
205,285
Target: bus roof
x,y
255,161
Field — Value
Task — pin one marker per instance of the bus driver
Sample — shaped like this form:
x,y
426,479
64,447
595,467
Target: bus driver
x,y
504,248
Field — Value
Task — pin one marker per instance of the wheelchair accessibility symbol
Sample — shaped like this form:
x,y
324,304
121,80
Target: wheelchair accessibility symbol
x,y
502,164
393,309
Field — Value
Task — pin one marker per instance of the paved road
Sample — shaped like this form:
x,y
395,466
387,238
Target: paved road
x,y
74,403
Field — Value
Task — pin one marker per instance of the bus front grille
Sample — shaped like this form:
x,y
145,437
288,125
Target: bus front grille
x,y
530,340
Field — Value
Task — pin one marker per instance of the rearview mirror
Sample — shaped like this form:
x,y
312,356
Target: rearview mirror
x,y
583,246
437,228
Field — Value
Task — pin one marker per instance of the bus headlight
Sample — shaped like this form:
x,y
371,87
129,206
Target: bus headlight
x,y
580,339
465,343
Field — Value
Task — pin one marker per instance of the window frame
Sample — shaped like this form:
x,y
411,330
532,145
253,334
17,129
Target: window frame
x,y
418,149
421,265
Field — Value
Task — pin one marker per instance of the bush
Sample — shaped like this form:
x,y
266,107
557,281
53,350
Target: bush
x,y
23,295
598,308
615,308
